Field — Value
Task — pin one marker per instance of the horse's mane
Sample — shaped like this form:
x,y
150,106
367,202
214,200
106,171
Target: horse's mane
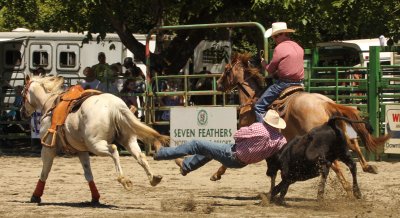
x,y
253,71
52,84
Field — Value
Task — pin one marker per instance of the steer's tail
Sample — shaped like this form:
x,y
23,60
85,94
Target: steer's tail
x,y
361,127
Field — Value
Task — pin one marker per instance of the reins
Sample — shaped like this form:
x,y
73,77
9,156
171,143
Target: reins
x,y
240,84
25,92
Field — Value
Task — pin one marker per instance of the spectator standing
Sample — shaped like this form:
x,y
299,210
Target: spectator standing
x,y
119,80
90,80
132,70
102,70
128,95
168,101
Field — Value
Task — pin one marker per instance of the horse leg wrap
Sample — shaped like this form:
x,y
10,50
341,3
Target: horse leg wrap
x,y
39,188
94,191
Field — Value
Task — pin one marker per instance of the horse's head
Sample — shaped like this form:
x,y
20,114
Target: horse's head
x,y
228,79
235,73
37,90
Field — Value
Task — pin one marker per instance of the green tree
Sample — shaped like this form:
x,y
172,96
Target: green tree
x,y
314,20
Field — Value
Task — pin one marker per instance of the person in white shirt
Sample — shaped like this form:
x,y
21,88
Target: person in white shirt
x,y
90,81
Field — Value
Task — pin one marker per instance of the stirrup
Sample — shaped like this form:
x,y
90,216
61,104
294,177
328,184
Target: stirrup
x,y
53,138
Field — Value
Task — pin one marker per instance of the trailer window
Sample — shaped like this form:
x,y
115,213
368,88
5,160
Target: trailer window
x,y
13,58
338,56
67,59
40,59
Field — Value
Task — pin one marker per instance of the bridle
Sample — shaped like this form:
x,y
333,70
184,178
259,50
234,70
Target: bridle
x,y
240,85
25,91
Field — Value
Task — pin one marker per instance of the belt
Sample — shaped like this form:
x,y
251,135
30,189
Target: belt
x,y
235,156
238,160
291,81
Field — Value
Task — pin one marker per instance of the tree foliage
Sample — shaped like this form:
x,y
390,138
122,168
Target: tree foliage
x,y
314,21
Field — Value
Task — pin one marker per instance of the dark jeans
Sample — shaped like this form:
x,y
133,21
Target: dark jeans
x,y
203,151
270,95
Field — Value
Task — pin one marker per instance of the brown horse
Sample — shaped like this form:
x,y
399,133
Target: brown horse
x,y
302,111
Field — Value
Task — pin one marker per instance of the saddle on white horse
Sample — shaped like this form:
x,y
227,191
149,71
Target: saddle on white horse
x,y
66,102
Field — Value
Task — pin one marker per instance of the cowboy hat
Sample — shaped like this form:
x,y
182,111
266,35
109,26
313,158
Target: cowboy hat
x,y
277,27
273,119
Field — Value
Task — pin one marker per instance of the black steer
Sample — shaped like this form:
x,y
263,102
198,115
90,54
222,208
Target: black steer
x,y
310,155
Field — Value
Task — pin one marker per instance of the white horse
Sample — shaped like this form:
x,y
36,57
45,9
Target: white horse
x,y
100,121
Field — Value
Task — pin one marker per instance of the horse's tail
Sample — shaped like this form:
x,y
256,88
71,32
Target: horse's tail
x,y
371,143
145,133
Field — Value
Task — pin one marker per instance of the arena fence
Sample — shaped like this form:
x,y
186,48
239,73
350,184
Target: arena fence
x,y
375,87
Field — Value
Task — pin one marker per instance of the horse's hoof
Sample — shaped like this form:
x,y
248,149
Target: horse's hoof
x,y
126,183
371,169
156,179
215,177
35,199
95,202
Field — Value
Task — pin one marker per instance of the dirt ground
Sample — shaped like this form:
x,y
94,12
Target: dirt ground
x,y
236,195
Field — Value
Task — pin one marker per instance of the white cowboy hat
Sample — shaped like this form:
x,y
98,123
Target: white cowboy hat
x,y
273,119
277,27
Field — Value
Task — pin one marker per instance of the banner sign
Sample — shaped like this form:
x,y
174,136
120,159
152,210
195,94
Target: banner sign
x,y
217,124
392,121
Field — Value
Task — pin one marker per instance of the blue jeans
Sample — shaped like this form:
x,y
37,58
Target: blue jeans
x,y
203,151
269,96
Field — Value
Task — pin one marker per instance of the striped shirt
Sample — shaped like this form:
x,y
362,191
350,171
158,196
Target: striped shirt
x,y
257,142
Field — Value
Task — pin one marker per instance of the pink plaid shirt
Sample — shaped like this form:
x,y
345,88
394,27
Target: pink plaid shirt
x,y
257,142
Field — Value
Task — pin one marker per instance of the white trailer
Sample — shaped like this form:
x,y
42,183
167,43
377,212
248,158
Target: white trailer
x,y
63,53
352,53
58,53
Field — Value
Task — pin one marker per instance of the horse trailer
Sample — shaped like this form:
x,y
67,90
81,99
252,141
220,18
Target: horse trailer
x,y
58,53
64,53
353,53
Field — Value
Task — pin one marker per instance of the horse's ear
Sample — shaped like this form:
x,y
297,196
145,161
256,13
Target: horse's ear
x,y
27,78
61,78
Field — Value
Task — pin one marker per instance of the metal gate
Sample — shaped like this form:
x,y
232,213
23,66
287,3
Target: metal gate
x,y
374,87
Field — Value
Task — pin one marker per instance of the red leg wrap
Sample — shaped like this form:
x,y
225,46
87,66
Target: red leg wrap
x,y
93,189
39,188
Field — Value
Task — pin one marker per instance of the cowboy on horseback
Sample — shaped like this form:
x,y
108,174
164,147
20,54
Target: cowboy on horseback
x,y
286,67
